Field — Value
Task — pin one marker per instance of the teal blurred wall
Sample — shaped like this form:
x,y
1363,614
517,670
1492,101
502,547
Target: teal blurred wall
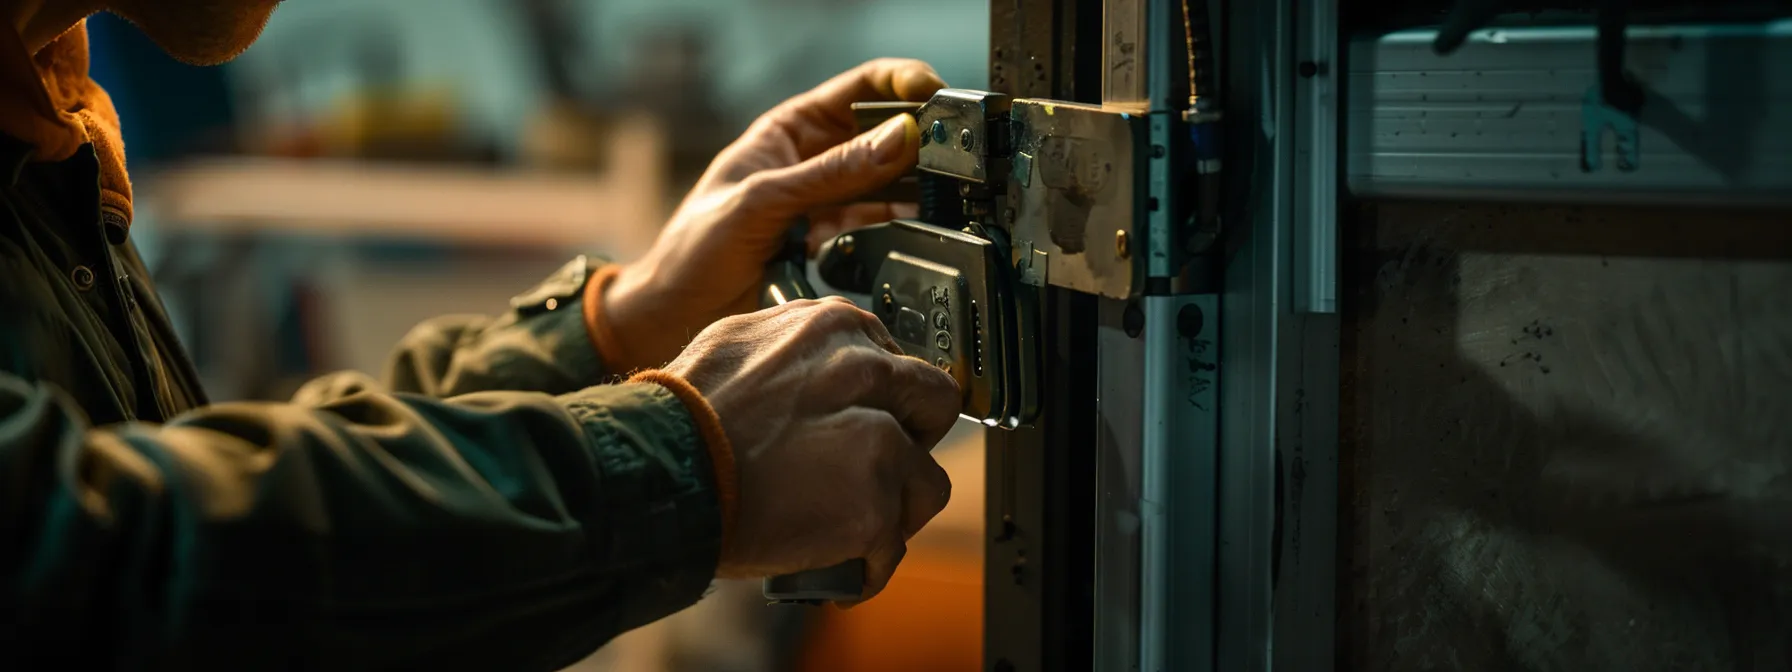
x,y
759,51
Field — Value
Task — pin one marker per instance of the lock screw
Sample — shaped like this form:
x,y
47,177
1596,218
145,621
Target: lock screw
x,y
1122,246
965,140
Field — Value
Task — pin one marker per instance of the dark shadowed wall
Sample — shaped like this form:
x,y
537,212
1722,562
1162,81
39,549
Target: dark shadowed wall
x,y
1567,440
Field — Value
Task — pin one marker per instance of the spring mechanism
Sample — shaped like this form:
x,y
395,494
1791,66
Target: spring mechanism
x,y
940,204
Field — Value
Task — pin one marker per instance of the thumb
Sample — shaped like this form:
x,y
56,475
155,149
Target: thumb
x,y
841,174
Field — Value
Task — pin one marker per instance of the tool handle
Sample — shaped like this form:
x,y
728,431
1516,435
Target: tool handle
x,y
844,582
787,273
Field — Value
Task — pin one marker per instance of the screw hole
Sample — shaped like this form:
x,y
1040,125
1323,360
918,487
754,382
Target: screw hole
x,y
1190,321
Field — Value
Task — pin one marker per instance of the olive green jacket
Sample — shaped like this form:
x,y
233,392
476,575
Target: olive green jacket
x,y
483,508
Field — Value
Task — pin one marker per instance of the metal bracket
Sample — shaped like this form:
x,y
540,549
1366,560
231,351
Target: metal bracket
x,y
1597,118
1314,87
1069,178
964,135
1502,118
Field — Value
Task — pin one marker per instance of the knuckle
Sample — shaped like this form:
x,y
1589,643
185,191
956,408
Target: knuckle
x,y
751,189
862,526
942,484
890,64
938,480
941,384
879,433
928,380
801,310
879,63
889,444
730,325
838,314
764,123
871,369
844,160
773,122
814,323
873,516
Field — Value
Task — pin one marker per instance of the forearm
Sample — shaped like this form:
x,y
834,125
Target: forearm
x,y
380,531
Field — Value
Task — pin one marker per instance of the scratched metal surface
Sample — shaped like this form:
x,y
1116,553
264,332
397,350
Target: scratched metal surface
x,y
1567,440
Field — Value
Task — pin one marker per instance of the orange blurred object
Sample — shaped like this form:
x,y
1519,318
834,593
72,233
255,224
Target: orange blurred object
x,y
930,617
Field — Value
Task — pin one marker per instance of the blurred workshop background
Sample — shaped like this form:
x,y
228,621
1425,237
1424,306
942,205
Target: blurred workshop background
x,y
371,164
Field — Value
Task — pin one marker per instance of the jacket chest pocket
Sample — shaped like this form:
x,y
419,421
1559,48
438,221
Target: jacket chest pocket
x,y
60,336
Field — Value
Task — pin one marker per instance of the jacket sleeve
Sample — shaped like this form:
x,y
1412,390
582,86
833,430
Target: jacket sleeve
x,y
498,530
541,344
360,528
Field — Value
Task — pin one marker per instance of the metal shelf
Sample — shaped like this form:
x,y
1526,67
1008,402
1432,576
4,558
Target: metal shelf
x,y
1501,119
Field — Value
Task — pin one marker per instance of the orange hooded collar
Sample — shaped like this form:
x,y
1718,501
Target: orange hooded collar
x,y
48,101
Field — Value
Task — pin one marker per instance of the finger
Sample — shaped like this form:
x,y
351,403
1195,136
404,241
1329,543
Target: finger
x,y
924,399
841,174
832,324
889,463
925,493
824,114
874,329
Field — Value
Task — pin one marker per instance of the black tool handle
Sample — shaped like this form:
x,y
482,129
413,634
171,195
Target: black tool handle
x,y
787,279
787,275
844,582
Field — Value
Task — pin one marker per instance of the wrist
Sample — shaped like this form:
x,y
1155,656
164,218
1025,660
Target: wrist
x,y
633,315
608,315
715,442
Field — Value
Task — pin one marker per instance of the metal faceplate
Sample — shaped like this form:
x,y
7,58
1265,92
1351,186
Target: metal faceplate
x,y
933,313
946,298
1076,182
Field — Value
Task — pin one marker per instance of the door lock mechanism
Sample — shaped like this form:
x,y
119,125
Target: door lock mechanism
x,y
1014,196
947,298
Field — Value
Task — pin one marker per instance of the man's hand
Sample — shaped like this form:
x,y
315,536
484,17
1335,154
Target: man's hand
x,y
831,430
801,158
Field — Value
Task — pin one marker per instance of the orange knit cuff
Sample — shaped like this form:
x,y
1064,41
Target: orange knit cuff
x,y
603,339
709,426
